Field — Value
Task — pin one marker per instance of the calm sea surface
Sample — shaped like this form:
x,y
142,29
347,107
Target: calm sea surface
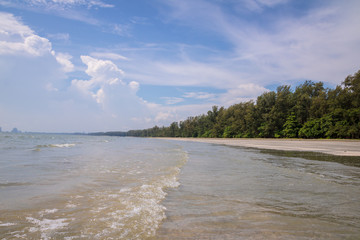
x,y
86,187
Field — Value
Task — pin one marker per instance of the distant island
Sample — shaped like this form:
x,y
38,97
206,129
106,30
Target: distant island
x,y
14,130
311,111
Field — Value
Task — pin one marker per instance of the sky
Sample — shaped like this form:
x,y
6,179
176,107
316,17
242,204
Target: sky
x,y
116,65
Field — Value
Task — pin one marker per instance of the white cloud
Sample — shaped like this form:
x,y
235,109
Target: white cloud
x,y
172,100
186,73
320,44
163,116
64,60
88,3
102,70
9,25
99,95
259,5
49,87
35,98
271,2
103,73
134,86
18,39
241,93
70,9
121,29
117,99
59,36
29,86
199,95
108,55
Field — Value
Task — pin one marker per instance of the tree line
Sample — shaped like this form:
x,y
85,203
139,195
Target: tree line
x,y
309,111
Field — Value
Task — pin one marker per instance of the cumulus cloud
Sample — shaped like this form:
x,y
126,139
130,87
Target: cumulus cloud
x,y
104,102
9,25
107,88
18,39
103,73
30,45
117,98
102,70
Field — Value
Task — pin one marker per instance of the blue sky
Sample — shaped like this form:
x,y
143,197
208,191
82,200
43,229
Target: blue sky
x,y
102,65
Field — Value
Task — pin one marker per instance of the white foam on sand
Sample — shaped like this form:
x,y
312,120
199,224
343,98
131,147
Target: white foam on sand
x,y
7,224
71,205
48,211
47,226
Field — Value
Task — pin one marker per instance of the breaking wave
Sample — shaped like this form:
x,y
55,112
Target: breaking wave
x,y
63,145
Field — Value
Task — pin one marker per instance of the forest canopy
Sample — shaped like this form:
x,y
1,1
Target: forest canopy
x,y
308,111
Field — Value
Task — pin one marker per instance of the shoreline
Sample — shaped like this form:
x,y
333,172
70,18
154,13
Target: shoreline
x,y
341,147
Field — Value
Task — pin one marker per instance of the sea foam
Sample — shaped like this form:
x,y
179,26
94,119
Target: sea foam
x,y
47,226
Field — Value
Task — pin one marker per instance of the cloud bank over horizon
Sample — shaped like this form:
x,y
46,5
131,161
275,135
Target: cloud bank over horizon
x,y
88,68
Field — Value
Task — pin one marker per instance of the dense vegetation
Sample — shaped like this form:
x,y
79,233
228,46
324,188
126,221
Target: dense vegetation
x,y
310,111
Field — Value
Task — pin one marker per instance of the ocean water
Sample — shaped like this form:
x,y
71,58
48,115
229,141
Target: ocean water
x,y
87,187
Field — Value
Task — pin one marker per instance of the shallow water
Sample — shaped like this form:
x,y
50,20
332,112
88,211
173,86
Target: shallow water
x,y
86,187
239,193
83,187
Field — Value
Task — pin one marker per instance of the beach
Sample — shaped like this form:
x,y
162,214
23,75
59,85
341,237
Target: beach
x,y
326,146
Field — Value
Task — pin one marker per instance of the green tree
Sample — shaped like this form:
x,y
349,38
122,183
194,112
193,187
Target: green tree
x,y
352,86
311,111
291,126
264,106
303,97
316,128
174,129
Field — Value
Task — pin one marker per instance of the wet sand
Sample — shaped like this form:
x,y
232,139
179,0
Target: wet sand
x,y
328,146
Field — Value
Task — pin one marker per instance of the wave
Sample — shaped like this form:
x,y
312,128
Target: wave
x,y
7,224
132,212
13,184
63,145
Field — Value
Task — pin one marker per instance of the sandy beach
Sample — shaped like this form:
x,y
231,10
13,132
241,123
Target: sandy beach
x,y
333,147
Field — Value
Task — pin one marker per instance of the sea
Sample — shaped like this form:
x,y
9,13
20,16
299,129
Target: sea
x,y
55,186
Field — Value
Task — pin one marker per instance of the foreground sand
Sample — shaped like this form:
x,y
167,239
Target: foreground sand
x,y
333,147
